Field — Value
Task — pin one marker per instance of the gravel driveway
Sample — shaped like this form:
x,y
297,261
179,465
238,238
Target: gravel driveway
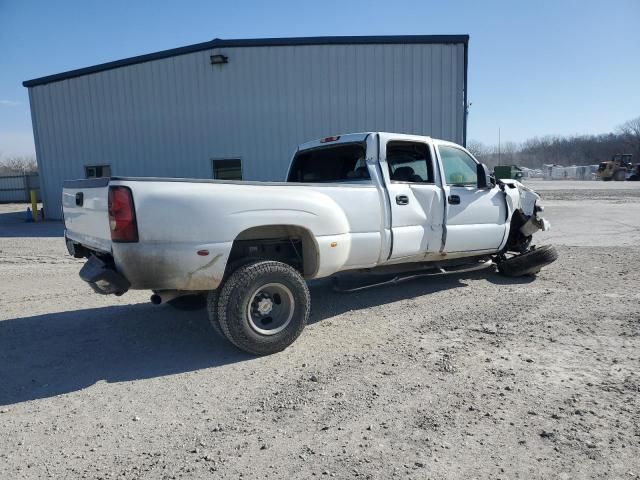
x,y
464,376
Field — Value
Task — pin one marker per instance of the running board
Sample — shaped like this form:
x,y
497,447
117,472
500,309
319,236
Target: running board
x,y
439,270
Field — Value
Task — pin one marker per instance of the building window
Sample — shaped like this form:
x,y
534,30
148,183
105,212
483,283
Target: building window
x,y
227,169
96,171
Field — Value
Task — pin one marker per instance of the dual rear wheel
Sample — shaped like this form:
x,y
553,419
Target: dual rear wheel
x,y
262,307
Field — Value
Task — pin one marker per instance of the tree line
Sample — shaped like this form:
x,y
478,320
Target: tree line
x,y
532,153
18,165
563,150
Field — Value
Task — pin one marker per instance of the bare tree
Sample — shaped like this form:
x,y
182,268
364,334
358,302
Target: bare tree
x,y
630,128
509,153
19,165
560,150
477,149
630,132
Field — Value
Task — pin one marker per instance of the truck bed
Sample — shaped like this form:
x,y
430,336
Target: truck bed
x,y
178,217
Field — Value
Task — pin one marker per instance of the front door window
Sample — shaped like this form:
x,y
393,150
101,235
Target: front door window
x,y
459,167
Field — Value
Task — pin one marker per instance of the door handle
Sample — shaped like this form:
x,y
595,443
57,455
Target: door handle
x,y
454,199
79,199
402,199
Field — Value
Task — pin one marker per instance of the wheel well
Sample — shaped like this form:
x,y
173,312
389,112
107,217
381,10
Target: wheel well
x,y
516,241
289,244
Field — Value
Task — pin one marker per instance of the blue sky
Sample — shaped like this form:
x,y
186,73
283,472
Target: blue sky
x,y
535,68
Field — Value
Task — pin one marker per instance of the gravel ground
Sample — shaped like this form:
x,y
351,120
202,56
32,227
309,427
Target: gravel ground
x,y
465,376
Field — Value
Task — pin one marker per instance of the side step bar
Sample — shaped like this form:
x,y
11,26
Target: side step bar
x,y
438,270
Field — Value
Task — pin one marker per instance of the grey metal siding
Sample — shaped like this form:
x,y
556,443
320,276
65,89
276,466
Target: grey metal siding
x,y
17,188
171,116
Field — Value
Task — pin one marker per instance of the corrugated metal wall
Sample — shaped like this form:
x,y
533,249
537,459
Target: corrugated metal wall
x,y
17,188
170,117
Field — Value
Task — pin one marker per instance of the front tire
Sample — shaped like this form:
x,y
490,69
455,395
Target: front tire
x,y
528,263
263,307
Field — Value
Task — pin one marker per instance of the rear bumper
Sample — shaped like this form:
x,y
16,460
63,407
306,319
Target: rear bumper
x,y
103,278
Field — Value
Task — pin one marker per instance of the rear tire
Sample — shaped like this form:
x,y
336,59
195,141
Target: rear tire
x,y
263,307
212,311
528,263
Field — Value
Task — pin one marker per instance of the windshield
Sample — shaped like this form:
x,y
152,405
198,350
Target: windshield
x,y
344,162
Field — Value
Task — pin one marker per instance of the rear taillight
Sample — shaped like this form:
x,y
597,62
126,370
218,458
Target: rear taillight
x,y
122,215
329,139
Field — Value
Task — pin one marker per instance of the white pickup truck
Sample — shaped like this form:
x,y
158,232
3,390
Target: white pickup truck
x,y
366,202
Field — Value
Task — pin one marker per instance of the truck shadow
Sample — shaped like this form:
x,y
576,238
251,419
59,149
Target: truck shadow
x,y
57,353
52,354
327,303
14,224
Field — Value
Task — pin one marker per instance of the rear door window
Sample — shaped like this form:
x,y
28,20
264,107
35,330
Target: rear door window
x,y
409,162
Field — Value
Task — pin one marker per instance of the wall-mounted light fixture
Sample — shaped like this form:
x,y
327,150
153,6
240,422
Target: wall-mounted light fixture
x,y
219,59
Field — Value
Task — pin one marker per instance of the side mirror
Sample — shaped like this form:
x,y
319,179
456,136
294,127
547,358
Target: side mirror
x,y
485,181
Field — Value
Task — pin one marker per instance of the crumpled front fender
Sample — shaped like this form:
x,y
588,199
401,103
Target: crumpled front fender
x,y
520,196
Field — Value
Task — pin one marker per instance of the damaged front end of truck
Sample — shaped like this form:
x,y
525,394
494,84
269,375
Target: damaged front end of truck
x,y
519,256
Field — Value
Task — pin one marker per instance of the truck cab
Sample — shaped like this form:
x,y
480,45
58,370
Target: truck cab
x,y
435,192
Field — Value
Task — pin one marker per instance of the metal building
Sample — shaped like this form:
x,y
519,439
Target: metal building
x,y
231,108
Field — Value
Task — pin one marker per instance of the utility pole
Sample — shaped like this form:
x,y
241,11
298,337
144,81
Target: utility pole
x,y
498,145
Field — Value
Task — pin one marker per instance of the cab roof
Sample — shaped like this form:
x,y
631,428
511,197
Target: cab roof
x,y
361,137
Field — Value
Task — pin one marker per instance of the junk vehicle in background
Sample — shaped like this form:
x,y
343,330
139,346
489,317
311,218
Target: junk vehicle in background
x,y
618,168
507,172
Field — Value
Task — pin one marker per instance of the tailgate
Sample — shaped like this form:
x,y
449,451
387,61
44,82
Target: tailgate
x,y
85,209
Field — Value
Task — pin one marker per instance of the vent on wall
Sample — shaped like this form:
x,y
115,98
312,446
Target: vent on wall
x,y
219,59
97,171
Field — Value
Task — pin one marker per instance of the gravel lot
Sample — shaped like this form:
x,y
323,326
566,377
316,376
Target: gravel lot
x,y
465,376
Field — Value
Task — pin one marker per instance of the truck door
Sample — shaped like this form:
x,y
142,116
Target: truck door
x,y
417,203
475,218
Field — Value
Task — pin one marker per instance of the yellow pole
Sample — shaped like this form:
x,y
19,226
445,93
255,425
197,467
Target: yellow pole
x,y
34,206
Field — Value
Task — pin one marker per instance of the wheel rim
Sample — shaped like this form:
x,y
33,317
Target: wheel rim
x,y
270,308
